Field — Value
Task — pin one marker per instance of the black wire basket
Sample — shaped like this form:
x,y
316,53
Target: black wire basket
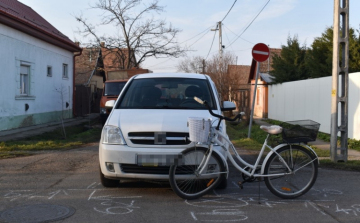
x,y
300,131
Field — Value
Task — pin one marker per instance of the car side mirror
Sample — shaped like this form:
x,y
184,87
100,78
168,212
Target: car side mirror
x,y
110,104
228,106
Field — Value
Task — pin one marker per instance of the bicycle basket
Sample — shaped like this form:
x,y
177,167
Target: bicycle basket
x,y
199,129
300,131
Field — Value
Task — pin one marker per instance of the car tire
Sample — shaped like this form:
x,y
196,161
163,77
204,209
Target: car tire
x,y
222,185
108,182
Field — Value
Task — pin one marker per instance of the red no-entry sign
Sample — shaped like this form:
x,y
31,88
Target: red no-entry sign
x,y
260,52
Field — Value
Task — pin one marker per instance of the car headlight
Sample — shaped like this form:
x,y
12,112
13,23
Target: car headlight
x,y
112,135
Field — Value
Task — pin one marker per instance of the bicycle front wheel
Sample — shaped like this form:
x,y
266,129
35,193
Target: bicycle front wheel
x,y
304,169
185,179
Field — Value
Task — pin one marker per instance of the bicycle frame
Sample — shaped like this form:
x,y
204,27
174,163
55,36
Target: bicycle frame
x,y
214,140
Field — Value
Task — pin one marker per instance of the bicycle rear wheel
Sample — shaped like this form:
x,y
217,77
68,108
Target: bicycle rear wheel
x,y
185,180
304,166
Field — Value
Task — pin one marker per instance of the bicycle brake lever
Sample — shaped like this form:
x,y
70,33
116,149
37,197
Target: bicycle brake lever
x,y
199,100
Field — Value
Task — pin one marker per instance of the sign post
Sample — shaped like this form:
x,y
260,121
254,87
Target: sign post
x,y
260,53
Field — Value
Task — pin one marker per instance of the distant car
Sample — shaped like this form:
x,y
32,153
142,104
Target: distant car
x,y
111,91
148,124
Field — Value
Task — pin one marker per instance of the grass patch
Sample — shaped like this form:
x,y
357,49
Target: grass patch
x,y
239,136
76,136
351,165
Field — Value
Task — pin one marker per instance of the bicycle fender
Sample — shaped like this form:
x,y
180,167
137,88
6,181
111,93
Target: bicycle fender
x,y
224,161
216,150
269,154
282,145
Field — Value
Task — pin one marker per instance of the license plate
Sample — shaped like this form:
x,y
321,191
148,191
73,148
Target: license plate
x,y
154,160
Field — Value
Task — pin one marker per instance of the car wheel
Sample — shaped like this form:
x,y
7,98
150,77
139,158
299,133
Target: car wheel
x,y
108,182
222,185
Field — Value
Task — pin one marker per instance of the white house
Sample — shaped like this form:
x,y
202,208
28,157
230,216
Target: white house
x,y
37,68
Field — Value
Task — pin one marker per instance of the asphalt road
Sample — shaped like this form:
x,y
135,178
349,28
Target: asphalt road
x,y
70,180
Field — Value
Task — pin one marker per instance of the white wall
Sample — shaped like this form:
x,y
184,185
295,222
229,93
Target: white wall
x,y
311,99
15,47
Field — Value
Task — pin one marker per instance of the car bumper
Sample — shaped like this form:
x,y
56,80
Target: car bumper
x,y
138,163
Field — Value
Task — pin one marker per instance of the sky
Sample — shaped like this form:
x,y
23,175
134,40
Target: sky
x,y
248,22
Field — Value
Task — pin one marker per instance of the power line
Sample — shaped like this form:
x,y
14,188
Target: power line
x,y
227,36
197,35
237,35
229,10
211,44
198,39
184,42
160,62
250,22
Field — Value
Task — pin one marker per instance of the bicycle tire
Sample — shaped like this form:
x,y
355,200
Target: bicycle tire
x,y
303,162
188,185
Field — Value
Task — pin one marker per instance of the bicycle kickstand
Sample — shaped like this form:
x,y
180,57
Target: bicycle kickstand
x,y
241,183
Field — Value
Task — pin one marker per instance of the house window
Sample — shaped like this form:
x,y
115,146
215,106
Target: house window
x,y
49,71
24,80
65,71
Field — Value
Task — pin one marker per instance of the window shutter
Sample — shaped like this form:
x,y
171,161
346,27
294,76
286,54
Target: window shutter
x,y
32,80
17,76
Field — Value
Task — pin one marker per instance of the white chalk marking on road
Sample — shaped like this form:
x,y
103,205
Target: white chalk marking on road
x,y
90,186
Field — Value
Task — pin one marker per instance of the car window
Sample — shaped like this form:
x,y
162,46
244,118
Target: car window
x,y
166,93
113,88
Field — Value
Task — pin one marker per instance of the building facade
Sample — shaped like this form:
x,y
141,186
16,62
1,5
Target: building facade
x,y
37,64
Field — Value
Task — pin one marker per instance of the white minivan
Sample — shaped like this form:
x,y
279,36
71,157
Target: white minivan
x,y
147,127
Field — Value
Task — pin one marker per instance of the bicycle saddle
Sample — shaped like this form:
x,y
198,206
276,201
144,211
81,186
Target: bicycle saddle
x,y
273,129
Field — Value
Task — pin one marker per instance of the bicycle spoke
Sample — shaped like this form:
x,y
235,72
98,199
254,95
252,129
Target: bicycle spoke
x,y
186,180
299,180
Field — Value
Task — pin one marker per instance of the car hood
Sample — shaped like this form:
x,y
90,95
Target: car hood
x,y
154,120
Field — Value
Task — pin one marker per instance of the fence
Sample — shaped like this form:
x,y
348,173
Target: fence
x,y
87,102
311,99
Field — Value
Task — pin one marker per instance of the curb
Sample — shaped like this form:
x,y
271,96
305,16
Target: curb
x,y
20,133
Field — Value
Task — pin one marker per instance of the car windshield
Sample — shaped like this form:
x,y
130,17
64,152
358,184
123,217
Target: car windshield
x,y
113,88
166,93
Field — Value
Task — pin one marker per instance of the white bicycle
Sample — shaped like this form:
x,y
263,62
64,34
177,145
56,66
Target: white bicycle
x,y
289,169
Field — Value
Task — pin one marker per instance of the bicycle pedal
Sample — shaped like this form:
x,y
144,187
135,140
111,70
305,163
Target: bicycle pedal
x,y
241,185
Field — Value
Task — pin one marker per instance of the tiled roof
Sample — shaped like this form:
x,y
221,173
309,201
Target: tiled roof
x,y
114,59
24,14
266,66
110,61
85,65
242,74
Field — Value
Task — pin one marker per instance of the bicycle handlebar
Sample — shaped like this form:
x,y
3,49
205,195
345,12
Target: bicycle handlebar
x,y
216,115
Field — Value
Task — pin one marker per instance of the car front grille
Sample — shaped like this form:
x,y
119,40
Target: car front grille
x,y
162,170
159,138
133,168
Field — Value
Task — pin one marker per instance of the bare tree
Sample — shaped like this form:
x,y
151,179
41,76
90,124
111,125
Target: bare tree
x,y
195,64
139,34
217,69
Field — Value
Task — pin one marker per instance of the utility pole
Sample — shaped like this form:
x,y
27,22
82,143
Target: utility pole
x,y
203,66
218,27
341,9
